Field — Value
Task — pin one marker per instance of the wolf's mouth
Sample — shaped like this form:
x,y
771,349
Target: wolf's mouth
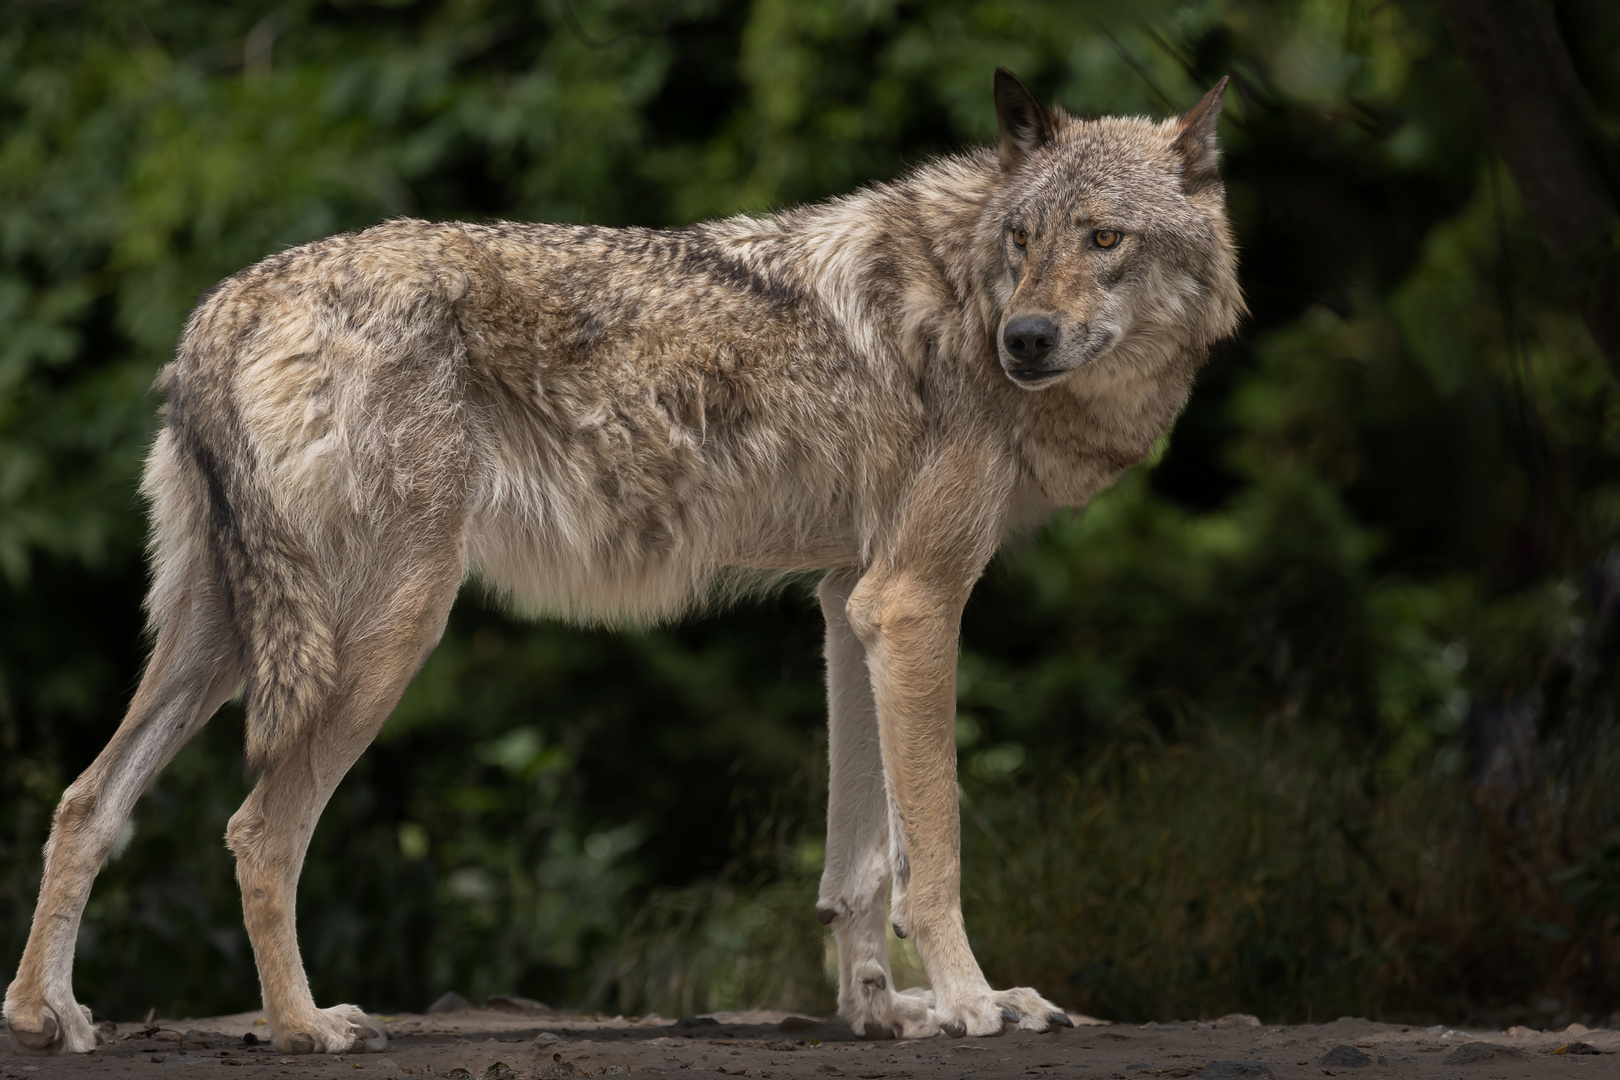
x,y
1035,379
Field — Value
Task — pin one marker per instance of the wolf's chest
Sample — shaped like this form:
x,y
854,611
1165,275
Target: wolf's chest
x,y
1077,442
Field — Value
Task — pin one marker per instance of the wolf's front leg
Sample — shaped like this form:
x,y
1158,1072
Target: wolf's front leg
x,y
909,626
854,896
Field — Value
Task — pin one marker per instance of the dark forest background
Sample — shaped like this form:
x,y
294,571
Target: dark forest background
x,y
1313,714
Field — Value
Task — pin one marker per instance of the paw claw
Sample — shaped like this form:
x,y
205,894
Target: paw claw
x,y
343,1029
1009,1015
953,1028
1058,1019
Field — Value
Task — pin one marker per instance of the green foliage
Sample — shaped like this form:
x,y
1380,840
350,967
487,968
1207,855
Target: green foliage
x,y
1225,736
1256,868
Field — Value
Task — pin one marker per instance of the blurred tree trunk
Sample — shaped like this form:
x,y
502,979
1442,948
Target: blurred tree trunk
x,y
1545,126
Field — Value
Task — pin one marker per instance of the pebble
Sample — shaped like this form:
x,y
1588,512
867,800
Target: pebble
x,y
1234,1070
1468,1053
449,1003
1344,1057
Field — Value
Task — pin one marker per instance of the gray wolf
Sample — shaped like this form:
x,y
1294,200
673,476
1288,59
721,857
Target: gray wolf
x,y
614,424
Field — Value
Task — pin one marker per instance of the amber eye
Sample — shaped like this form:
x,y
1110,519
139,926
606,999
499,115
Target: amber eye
x,y
1020,237
1105,238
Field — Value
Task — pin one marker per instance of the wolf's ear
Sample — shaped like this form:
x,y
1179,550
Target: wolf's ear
x,y
1025,124
1200,153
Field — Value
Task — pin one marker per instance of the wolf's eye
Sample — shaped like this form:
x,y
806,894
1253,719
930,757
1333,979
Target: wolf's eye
x,y
1105,238
1020,237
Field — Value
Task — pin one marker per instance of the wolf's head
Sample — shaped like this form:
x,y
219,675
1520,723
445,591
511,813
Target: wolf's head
x,y
1107,248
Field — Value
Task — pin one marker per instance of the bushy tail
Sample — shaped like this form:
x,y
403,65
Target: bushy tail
x,y
210,509
314,438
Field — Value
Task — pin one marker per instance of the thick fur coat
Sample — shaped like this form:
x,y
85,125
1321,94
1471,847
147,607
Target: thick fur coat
x,y
617,424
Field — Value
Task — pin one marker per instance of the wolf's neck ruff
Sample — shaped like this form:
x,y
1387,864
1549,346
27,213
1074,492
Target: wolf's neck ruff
x,y
617,424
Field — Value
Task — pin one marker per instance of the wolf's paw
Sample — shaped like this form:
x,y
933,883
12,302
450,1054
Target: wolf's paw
x,y
875,1010
997,1011
1028,1011
49,1030
342,1029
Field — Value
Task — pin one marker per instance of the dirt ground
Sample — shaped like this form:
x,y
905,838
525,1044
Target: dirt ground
x,y
519,1040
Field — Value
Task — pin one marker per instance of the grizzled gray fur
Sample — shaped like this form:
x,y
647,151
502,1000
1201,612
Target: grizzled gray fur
x,y
619,424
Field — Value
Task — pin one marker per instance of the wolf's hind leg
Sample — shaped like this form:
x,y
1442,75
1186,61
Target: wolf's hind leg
x,y
855,884
270,834
193,669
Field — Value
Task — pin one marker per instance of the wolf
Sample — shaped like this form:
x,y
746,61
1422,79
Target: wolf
x,y
614,424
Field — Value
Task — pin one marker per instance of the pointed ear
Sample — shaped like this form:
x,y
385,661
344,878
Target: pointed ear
x,y
1196,143
1025,123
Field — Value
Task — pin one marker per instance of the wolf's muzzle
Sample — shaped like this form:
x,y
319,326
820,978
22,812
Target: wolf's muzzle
x,y
1030,339
1028,347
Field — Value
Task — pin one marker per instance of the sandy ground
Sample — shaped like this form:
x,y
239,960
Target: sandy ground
x,y
523,1040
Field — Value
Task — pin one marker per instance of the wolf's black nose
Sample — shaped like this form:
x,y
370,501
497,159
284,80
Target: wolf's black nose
x,y
1030,337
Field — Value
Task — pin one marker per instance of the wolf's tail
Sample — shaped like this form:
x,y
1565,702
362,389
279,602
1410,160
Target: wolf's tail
x,y
213,515
316,462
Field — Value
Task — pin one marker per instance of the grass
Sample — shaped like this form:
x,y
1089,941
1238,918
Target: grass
x,y
1256,874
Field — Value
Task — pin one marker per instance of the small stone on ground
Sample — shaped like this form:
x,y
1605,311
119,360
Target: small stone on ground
x,y
449,1003
1344,1056
1469,1053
